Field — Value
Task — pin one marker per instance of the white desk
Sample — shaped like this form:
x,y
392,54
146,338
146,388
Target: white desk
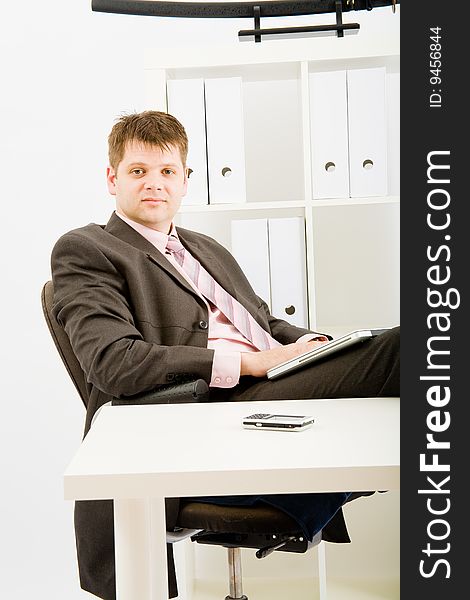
x,y
138,455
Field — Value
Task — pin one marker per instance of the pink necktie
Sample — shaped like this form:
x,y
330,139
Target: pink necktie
x,y
232,309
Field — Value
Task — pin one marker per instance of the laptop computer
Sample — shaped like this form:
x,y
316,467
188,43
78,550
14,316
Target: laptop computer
x,y
320,352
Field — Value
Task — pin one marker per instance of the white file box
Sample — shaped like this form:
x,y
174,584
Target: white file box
x,y
225,140
367,132
329,134
288,270
253,257
185,99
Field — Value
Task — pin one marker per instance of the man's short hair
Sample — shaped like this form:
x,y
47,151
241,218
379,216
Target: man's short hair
x,y
151,127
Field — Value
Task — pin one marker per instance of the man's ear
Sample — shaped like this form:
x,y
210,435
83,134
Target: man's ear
x,y
111,180
186,176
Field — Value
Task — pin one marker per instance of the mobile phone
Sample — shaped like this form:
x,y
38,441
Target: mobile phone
x,y
277,422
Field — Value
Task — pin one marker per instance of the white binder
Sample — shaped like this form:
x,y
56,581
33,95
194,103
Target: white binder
x,y
185,100
250,248
329,134
225,140
288,270
367,132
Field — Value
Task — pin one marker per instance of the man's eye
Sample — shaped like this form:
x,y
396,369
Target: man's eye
x,y
137,171
168,171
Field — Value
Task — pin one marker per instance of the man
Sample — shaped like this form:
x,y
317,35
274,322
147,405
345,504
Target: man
x,y
145,303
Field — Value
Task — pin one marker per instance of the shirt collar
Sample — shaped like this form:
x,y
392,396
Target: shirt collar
x,y
156,238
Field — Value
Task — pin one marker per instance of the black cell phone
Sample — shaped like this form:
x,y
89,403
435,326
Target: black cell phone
x,y
276,422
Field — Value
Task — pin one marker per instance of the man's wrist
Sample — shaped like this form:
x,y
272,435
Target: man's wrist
x,y
313,337
246,363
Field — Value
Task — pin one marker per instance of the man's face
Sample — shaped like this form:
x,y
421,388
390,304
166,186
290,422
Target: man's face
x,y
149,185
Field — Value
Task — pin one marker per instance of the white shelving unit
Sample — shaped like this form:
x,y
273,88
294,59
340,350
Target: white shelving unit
x,y
352,254
352,244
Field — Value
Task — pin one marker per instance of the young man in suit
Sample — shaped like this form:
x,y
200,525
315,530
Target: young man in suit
x,y
144,303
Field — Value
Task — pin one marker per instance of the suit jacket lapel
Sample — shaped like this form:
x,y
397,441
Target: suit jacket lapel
x,y
126,233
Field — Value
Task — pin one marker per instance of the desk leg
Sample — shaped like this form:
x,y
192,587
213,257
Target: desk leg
x,y
321,549
140,540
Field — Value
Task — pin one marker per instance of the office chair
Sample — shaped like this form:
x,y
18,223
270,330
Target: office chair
x,y
261,527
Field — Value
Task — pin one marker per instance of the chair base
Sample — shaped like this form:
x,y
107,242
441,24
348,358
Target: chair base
x,y
239,597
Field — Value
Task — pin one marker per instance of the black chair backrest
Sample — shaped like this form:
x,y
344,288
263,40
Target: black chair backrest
x,y
62,343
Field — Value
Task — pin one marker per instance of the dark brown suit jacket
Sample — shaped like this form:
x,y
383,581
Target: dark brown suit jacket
x,y
135,323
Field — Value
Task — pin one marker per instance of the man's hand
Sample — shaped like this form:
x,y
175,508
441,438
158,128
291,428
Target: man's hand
x,y
257,364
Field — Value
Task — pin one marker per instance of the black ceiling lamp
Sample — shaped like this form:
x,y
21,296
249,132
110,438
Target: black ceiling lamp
x,y
251,9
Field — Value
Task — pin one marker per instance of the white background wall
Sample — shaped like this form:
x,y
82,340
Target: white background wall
x,y
66,74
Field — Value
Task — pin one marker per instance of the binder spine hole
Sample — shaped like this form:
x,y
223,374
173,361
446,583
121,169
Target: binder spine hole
x,y
290,310
330,167
368,164
226,172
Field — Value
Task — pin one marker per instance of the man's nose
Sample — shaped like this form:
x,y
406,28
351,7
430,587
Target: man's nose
x,y
153,182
